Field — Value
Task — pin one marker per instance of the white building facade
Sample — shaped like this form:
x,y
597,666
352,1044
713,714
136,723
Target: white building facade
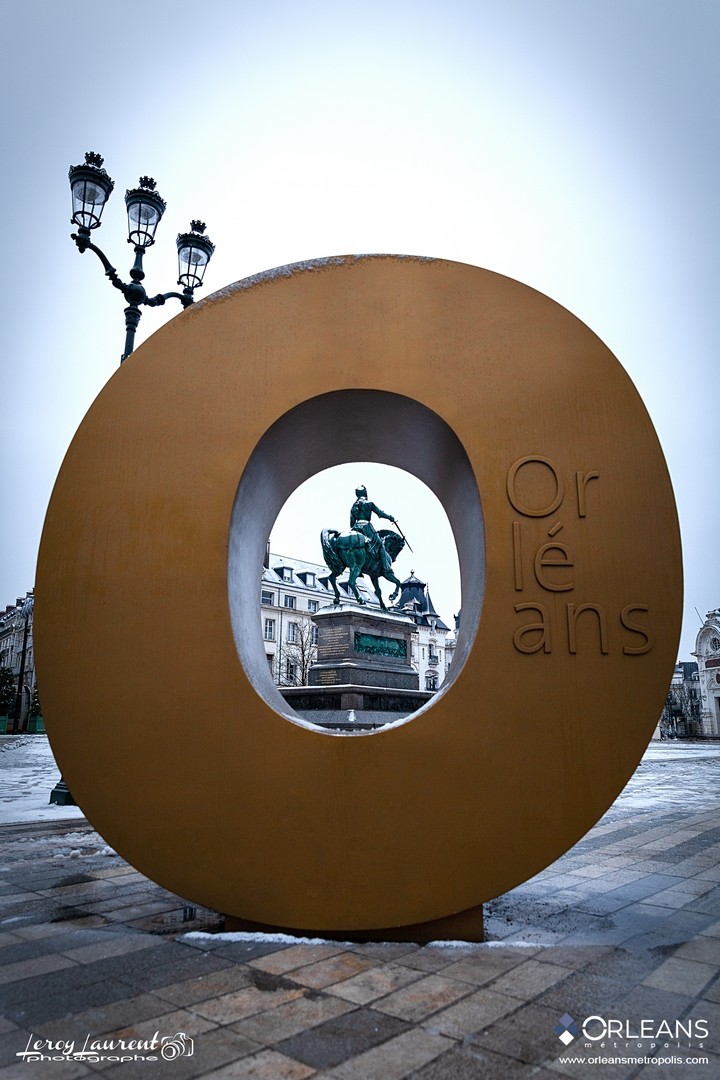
x,y
292,590
707,654
17,654
433,641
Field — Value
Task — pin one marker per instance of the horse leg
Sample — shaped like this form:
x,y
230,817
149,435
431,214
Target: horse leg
x,y
398,585
376,588
333,582
354,573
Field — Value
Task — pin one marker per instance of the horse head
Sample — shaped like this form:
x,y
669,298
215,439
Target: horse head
x,y
394,543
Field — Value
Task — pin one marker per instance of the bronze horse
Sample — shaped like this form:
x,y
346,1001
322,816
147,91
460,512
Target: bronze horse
x,y
351,551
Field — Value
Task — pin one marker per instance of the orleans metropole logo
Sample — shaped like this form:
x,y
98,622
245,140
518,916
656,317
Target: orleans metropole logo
x,y
611,1031
566,1029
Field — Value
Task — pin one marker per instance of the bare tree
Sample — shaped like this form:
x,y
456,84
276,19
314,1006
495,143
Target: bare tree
x,y
300,654
681,713
7,690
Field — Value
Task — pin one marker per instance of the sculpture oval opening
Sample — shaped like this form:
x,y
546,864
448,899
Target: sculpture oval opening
x,y
350,426
346,657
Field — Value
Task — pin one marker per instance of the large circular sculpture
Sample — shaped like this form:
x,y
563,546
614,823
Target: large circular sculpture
x,y
157,700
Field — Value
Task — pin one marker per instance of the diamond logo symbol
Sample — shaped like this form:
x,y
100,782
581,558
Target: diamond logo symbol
x,y
566,1029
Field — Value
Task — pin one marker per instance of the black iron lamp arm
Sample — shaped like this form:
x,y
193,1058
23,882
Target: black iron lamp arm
x,y
185,298
83,244
133,292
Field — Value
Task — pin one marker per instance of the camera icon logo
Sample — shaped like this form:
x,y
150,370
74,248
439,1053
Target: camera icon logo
x,y
175,1046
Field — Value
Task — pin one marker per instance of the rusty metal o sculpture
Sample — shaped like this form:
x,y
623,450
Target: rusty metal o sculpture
x,y
158,706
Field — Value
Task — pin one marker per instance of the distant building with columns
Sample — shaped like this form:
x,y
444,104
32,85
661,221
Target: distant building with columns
x,y
707,654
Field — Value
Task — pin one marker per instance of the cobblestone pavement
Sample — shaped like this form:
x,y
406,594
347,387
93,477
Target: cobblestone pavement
x,y
97,963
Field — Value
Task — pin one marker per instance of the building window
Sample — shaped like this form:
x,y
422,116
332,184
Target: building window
x,y
290,601
286,573
314,636
431,681
312,605
270,658
310,580
267,597
290,670
269,630
292,632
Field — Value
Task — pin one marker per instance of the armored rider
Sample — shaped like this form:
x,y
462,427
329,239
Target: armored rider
x,y
361,512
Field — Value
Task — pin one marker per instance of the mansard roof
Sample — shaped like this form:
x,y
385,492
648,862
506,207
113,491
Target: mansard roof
x,y
415,598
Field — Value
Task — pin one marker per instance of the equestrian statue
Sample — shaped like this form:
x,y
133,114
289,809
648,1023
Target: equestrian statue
x,y
363,549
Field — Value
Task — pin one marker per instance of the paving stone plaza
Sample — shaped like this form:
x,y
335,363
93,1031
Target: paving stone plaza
x,y
99,963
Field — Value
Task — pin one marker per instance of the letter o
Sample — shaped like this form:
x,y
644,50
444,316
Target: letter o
x,y
587,1034
512,494
191,767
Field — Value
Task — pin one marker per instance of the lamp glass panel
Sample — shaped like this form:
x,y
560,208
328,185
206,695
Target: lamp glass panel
x,y
143,220
89,199
192,262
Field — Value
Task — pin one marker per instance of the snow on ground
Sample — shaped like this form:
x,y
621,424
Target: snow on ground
x,y
28,774
674,776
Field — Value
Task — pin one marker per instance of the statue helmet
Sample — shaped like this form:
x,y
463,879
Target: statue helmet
x,y
362,490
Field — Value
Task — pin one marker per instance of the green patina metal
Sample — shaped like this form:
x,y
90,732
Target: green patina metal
x,y
380,646
363,550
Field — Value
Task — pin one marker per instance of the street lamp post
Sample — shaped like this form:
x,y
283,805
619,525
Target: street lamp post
x,y
91,188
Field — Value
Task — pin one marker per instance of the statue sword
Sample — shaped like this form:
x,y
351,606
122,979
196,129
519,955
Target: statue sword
x,y
397,526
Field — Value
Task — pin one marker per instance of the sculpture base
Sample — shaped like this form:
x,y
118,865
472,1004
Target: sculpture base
x,y
363,646
463,926
363,676
352,707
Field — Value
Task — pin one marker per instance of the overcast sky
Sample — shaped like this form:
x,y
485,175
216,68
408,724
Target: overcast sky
x,y
570,144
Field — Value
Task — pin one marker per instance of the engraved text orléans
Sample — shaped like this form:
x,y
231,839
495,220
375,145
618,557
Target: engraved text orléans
x,y
551,566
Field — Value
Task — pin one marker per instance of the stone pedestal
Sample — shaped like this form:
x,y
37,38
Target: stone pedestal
x,y
364,648
363,677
